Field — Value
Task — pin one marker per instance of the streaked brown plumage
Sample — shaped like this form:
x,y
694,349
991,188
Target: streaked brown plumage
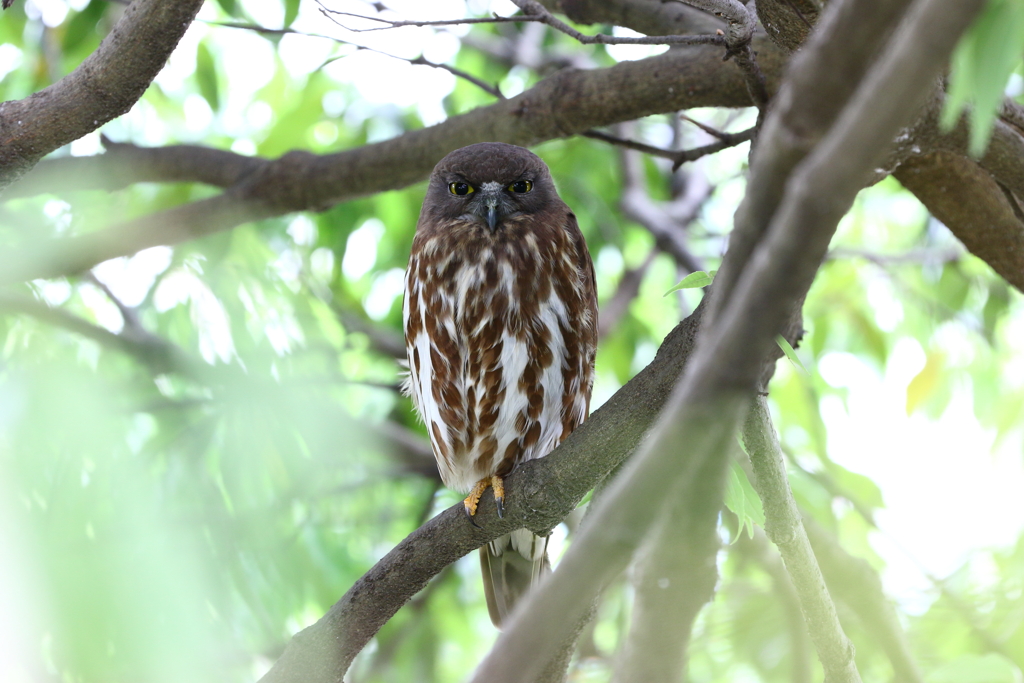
x,y
501,329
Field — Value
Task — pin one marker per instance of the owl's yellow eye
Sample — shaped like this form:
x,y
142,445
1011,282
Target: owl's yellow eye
x,y
520,186
460,188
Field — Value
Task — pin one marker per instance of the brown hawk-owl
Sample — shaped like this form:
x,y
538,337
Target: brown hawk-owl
x,y
501,328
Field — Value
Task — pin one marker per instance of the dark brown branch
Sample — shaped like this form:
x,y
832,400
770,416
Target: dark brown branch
x,y
568,102
968,200
539,493
741,22
696,425
103,87
538,12
534,12
678,158
125,164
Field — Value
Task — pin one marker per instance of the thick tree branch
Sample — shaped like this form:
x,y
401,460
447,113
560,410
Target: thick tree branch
x,y
695,428
644,16
969,201
102,88
567,103
125,164
844,45
534,12
538,495
674,577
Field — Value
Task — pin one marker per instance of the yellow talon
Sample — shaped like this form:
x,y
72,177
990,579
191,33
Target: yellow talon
x,y
472,501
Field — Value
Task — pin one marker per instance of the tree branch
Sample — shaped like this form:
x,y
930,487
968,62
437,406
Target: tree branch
x,y
969,202
534,12
674,577
666,223
564,104
782,589
538,495
856,583
741,20
678,157
696,426
844,45
156,353
103,87
783,526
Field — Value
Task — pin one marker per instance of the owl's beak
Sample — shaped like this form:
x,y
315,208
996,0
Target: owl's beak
x,y
492,213
490,205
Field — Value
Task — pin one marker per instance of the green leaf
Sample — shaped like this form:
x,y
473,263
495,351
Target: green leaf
x,y
990,668
981,65
693,280
741,498
925,382
291,10
206,76
230,7
83,24
790,353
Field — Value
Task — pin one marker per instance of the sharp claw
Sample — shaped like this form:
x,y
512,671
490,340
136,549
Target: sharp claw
x,y
499,502
469,516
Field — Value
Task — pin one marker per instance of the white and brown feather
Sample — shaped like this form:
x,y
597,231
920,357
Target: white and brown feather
x,y
501,334
501,331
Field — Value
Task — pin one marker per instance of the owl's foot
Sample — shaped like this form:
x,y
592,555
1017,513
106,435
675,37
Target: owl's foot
x,y
472,501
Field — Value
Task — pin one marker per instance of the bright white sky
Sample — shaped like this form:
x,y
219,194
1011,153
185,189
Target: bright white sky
x,y
916,462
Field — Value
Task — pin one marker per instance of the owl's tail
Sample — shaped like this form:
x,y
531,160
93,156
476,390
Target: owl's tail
x,y
512,564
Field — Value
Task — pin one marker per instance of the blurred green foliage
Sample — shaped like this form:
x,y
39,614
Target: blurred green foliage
x,y
169,527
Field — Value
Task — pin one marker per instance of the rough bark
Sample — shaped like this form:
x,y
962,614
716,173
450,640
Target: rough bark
x,y
539,494
102,88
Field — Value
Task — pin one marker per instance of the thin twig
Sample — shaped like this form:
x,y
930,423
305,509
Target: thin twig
x,y
737,41
418,61
532,9
678,157
713,132
534,12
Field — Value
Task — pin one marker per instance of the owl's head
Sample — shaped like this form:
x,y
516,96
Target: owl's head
x,y
488,183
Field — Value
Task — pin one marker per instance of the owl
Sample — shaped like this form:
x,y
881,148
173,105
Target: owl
x,y
500,317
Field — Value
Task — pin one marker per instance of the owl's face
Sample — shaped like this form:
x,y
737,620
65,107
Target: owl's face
x,y
489,183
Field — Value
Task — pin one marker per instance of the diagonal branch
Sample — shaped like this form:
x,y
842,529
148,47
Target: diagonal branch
x,y
566,103
156,353
784,528
695,428
678,157
103,87
844,43
539,494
